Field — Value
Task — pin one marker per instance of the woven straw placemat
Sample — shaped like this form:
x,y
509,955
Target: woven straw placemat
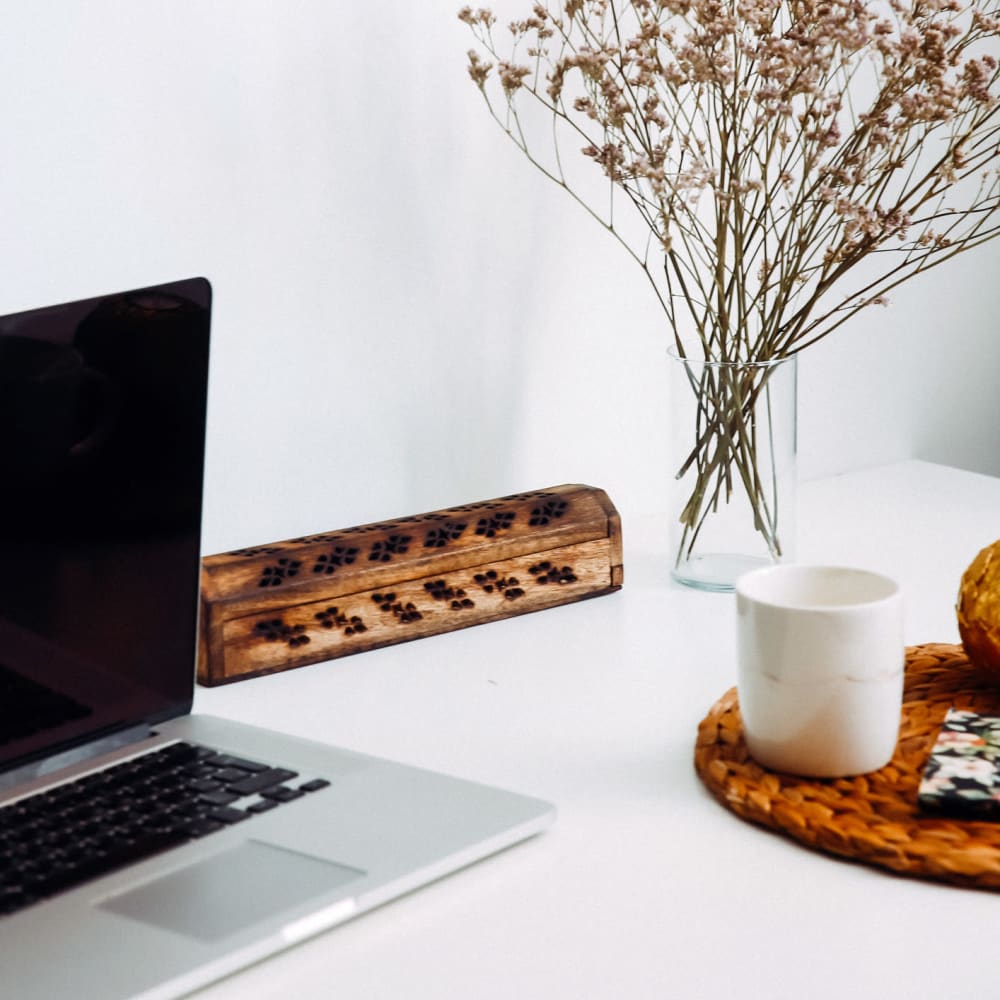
x,y
872,818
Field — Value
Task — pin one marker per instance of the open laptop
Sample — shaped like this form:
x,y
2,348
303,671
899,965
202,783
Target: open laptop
x,y
144,850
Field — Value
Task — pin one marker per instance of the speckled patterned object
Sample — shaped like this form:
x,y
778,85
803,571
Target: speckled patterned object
x,y
871,818
962,777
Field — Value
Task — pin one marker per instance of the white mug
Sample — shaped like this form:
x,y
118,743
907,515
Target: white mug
x,y
820,668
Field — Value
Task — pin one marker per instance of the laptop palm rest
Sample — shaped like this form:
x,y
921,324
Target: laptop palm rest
x,y
231,891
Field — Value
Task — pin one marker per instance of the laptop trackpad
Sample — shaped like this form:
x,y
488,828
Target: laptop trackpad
x,y
230,891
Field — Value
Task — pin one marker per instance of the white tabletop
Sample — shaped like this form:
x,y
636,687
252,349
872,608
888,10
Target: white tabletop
x,y
645,887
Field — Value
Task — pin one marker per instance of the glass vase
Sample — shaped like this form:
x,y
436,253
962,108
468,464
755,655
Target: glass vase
x,y
734,455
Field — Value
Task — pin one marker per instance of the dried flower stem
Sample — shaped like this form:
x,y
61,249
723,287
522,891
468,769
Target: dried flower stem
x,y
790,162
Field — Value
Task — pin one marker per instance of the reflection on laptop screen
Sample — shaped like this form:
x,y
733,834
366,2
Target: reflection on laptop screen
x,y
102,420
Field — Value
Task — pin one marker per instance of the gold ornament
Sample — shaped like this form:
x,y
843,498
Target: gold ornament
x,y
979,610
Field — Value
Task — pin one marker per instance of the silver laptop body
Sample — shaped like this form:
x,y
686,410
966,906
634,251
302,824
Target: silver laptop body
x,y
102,419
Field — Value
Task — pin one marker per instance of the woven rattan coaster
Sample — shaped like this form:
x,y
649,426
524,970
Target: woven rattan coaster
x,y
872,818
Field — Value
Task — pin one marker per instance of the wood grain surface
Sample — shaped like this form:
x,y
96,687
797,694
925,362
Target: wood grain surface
x,y
285,604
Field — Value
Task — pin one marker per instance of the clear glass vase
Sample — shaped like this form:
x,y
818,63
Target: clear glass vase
x,y
734,456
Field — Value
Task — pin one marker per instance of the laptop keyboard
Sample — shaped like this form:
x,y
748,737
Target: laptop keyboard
x,y
74,832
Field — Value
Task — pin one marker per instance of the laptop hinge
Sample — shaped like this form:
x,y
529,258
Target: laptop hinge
x,y
75,755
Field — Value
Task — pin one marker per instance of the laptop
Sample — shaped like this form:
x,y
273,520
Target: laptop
x,y
144,850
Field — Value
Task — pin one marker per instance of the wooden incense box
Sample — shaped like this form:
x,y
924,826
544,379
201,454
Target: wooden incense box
x,y
285,604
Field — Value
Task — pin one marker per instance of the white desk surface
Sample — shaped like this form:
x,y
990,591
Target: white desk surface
x,y
645,887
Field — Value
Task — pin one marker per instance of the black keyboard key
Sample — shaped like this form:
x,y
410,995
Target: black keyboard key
x,y
315,785
228,815
163,823
202,827
180,753
264,805
205,785
219,798
227,760
173,796
282,793
263,779
226,775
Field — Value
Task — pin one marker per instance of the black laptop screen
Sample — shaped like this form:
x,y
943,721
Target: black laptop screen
x,y
102,430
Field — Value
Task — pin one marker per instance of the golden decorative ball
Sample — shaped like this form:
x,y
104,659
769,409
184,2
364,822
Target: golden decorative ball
x,y
979,610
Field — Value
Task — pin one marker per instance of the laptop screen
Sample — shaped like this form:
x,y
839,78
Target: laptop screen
x,y
102,431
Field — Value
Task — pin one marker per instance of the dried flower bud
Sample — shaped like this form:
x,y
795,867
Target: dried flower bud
x,y
824,128
512,77
483,16
478,70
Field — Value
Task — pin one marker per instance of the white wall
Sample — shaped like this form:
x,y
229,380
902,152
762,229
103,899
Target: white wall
x,y
406,315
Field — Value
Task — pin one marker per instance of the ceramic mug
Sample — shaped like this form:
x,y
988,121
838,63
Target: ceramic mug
x,y
820,668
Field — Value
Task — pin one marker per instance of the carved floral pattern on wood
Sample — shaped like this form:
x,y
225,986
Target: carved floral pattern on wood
x,y
440,592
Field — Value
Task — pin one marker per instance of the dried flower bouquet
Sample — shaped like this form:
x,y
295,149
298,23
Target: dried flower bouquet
x,y
783,164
